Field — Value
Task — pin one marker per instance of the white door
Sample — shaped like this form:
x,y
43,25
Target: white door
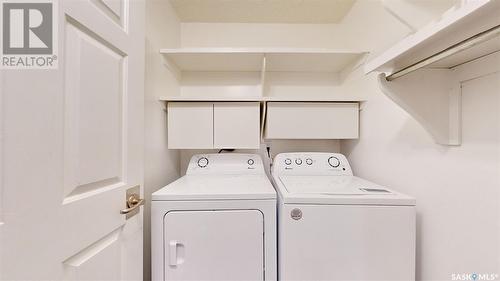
x,y
214,245
71,145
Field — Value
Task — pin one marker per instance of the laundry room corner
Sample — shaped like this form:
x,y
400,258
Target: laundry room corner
x,y
161,165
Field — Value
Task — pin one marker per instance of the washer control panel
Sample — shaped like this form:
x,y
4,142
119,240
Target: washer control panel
x,y
225,163
311,163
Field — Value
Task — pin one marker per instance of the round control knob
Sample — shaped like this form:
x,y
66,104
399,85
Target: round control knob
x,y
334,161
288,161
250,162
296,214
298,161
309,161
202,162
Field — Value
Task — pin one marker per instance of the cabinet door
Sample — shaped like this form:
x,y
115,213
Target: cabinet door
x,y
190,125
214,245
312,120
237,125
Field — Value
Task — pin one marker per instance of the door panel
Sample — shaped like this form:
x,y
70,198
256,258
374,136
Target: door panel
x,y
114,6
214,245
94,112
99,261
73,143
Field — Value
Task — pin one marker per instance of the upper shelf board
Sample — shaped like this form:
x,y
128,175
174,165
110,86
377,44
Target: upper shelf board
x,y
260,99
455,26
294,60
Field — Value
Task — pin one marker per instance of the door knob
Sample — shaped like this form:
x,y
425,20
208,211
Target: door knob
x,y
133,202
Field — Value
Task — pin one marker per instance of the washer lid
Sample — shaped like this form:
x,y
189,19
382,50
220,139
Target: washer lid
x,y
217,187
338,190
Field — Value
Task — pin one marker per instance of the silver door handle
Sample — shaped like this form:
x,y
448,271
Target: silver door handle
x,y
173,253
133,202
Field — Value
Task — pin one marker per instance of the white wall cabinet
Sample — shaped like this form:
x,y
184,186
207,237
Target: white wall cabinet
x,y
312,120
208,125
190,125
236,125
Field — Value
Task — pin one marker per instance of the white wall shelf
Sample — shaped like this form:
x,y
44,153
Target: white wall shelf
x,y
420,72
251,59
208,98
214,59
260,99
256,74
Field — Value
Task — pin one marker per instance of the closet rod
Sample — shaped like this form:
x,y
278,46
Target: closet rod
x,y
460,46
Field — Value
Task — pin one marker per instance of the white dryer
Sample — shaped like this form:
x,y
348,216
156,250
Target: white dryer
x,y
335,226
218,222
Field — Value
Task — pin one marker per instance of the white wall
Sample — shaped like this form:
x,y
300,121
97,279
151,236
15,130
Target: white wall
x,y
351,33
161,165
457,188
427,10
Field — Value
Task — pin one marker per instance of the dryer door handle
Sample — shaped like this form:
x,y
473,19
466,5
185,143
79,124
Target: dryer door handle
x,y
175,253
172,253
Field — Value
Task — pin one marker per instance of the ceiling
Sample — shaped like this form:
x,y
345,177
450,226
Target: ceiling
x,y
262,11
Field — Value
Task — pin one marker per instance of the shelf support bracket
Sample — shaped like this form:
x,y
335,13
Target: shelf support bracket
x,y
433,98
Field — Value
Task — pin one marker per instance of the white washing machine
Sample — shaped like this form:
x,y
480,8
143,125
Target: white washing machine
x,y
335,226
218,222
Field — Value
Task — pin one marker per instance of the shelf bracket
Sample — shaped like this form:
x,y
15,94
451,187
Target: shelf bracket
x,y
433,98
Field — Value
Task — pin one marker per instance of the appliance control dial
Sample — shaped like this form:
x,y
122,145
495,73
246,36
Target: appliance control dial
x,y
298,161
296,214
309,161
334,161
288,161
203,162
250,161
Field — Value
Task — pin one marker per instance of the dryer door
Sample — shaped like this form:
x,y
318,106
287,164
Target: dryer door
x,y
214,245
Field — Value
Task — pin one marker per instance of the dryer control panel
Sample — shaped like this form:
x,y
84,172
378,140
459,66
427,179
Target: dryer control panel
x,y
225,163
311,163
